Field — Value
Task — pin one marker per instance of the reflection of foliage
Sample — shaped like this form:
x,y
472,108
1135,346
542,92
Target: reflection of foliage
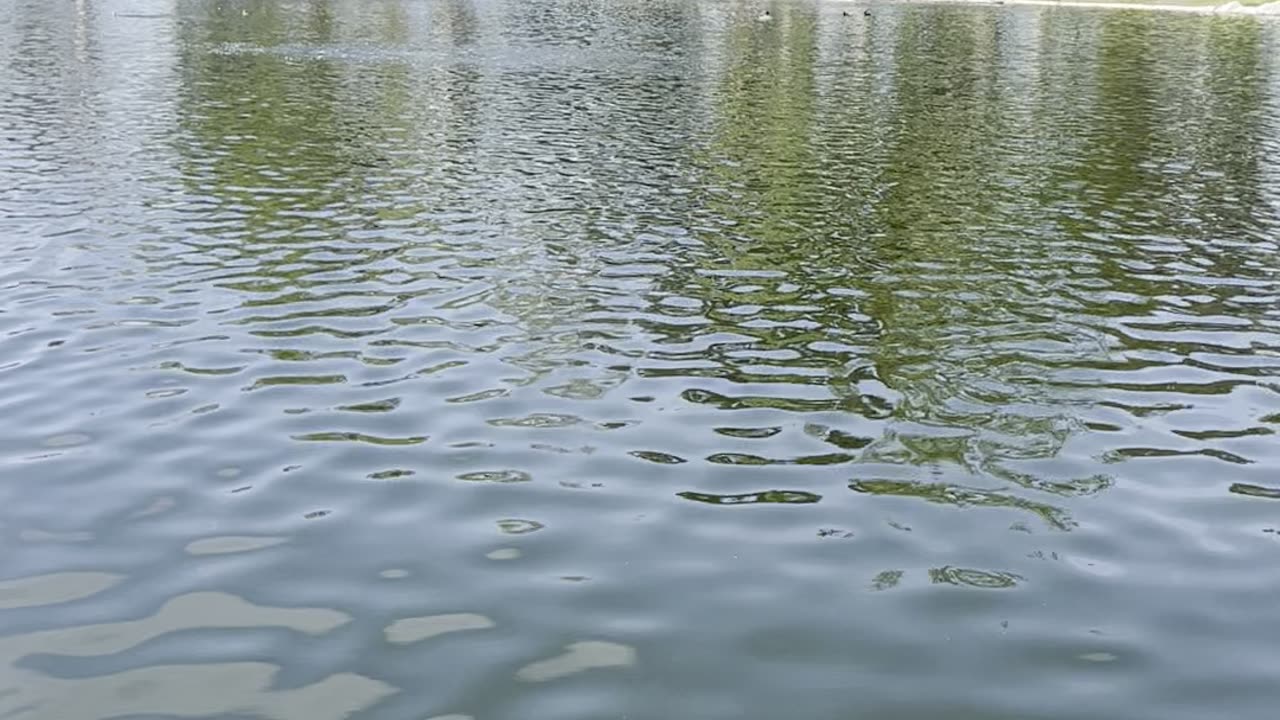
x,y
517,526
763,142
869,406
798,497
1121,454
991,579
886,579
745,459
658,457
1090,485
282,140
901,241
1255,490
948,494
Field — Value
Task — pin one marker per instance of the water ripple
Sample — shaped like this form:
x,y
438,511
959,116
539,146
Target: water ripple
x,y
687,363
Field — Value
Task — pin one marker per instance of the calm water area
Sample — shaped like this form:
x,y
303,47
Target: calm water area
x,y
584,359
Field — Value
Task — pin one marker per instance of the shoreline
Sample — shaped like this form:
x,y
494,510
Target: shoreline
x,y
1270,9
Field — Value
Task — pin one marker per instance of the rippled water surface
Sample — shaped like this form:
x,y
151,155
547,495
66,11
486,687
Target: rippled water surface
x,y
514,359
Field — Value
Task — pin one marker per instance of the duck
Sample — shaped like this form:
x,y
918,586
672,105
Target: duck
x,y
764,17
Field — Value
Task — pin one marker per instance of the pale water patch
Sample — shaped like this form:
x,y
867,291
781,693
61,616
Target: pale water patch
x,y
186,612
155,507
242,688
36,535
52,589
504,554
66,440
232,544
182,690
416,629
579,656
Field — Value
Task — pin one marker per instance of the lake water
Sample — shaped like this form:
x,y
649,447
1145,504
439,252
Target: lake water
x,y
520,359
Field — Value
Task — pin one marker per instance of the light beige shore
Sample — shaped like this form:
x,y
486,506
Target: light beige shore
x,y
1271,9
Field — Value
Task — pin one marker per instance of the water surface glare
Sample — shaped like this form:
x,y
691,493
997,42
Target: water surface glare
x,y
510,359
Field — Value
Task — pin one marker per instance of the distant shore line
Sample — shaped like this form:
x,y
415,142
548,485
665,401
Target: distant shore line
x,y
1271,9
